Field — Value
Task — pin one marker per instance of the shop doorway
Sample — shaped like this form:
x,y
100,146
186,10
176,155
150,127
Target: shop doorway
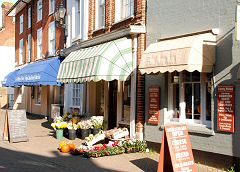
x,y
112,116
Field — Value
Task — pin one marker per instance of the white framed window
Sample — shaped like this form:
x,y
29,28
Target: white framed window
x,y
190,97
21,52
124,9
37,94
39,10
52,38
77,95
100,14
29,48
39,43
29,17
21,24
51,6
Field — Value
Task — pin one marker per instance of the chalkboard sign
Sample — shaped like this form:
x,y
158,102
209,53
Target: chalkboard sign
x,y
15,127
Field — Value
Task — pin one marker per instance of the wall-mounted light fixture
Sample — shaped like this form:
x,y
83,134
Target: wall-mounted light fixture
x,y
59,15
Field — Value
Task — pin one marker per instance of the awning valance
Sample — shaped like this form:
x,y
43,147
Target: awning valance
x,y
107,61
186,53
39,73
9,80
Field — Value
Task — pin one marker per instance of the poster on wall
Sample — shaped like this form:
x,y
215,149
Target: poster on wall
x,y
226,109
176,150
154,106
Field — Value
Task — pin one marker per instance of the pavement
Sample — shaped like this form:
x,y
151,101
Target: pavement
x,y
40,154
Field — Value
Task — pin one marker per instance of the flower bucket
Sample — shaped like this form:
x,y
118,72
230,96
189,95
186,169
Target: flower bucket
x,y
59,134
71,134
85,133
95,131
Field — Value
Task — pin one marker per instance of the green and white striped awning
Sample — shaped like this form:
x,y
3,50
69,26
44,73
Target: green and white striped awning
x,y
108,61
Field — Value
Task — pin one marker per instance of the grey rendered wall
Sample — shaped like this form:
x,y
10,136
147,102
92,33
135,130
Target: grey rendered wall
x,y
168,18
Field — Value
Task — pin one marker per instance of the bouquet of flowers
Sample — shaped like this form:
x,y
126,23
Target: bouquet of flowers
x,y
59,125
85,124
97,121
71,126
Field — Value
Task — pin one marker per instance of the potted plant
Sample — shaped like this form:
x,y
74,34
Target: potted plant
x,y
58,127
72,130
85,125
97,124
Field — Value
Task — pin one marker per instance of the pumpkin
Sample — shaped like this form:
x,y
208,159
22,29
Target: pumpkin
x,y
62,144
65,149
72,146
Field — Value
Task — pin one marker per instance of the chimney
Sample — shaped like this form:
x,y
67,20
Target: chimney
x,y
5,8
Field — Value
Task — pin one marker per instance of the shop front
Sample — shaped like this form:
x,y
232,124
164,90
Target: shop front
x,y
100,78
36,86
182,69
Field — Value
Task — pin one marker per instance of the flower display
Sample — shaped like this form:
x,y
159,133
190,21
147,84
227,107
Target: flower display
x,y
97,121
73,126
85,124
59,125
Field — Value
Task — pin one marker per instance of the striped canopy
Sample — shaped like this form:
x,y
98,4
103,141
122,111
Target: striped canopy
x,y
108,61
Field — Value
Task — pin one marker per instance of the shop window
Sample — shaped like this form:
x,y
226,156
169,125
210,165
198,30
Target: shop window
x,y
126,100
38,93
76,95
190,91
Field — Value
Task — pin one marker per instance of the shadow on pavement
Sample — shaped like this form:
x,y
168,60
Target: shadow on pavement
x,y
14,161
146,164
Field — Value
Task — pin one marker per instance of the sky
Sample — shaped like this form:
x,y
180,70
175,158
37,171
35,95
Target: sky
x,y
1,1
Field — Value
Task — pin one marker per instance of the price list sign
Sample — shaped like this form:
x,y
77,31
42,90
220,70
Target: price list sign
x,y
226,102
154,105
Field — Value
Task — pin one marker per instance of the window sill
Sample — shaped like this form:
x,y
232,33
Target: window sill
x,y
99,29
124,19
37,104
124,123
193,128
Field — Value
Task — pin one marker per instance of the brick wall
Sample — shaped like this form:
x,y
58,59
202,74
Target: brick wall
x,y
44,24
8,29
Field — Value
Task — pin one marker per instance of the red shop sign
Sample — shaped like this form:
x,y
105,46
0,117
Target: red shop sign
x,y
176,150
154,105
226,108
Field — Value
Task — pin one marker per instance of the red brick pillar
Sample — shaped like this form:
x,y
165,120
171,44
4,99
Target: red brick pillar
x,y
92,13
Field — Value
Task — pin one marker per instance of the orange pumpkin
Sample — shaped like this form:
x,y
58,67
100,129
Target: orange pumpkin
x,y
62,144
72,146
65,149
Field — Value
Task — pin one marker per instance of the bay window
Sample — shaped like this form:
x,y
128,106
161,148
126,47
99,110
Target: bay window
x,y
190,97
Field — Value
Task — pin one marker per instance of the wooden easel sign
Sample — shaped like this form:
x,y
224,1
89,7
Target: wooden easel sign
x,y
176,150
15,126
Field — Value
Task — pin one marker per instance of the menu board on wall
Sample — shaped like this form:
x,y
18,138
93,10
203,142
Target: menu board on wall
x,y
176,150
154,106
226,102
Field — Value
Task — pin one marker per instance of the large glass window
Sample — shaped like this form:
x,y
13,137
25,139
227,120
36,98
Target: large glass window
x,y
52,39
39,10
38,93
21,24
190,91
100,13
39,43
